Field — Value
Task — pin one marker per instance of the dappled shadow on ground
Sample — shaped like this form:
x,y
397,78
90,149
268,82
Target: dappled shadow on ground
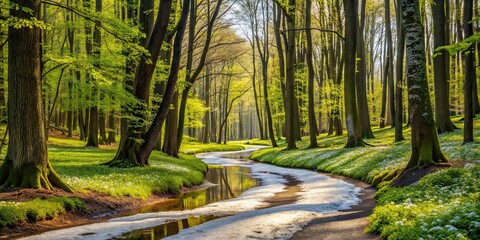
x,y
346,224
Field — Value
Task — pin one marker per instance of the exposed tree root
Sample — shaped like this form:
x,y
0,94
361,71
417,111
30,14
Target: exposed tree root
x,y
127,158
31,175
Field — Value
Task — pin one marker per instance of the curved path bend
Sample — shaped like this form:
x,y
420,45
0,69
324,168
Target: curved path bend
x,y
287,201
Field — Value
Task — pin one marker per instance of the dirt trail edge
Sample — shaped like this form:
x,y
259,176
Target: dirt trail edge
x,y
343,225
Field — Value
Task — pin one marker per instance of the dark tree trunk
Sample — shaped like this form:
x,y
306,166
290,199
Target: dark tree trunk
x,y
146,19
103,128
399,75
312,122
112,131
206,129
469,73
192,77
26,164
170,146
290,100
81,124
361,79
131,152
390,80
3,109
353,128
92,140
425,145
441,68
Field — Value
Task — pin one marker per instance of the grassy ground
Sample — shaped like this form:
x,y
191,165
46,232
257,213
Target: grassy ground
x,y
417,211
194,147
80,167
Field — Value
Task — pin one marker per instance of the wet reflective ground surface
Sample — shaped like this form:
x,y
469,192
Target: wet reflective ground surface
x,y
229,182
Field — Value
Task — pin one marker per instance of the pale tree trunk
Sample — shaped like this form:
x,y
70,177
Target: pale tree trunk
x,y
424,138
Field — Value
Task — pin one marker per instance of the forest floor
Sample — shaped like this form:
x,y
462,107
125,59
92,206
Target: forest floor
x,y
441,205
101,192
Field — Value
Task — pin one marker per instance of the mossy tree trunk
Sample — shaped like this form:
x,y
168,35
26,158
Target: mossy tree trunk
x,y
424,139
26,164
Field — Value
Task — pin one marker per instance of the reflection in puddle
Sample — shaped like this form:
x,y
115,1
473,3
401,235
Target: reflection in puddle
x,y
168,229
230,182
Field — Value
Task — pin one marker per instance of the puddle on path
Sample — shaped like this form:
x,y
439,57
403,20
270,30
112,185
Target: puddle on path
x,y
230,182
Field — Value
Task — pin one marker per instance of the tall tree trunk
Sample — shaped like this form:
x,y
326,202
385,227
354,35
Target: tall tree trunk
x,y
390,81
425,145
92,139
206,129
26,164
170,146
353,128
3,108
112,133
192,77
290,99
441,68
470,77
399,74
361,79
131,152
312,122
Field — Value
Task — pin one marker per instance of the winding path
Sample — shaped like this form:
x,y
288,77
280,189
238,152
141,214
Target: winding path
x,y
287,200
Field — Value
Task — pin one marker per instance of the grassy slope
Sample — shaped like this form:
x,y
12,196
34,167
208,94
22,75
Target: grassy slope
x,y
401,211
194,147
80,167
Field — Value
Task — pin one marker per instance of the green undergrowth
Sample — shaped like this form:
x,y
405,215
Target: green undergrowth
x,y
13,213
192,148
80,167
442,205
413,212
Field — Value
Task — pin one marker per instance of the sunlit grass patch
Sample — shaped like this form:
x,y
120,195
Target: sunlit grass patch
x,y
80,167
443,205
12,213
194,148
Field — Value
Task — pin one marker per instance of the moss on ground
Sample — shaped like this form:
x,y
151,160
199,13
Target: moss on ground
x,y
192,148
13,213
402,213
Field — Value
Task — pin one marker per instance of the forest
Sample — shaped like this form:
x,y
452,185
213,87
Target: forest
x,y
201,119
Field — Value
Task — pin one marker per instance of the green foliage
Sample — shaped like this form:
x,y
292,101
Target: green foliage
x,y
443,205
80,168
195,112
192,148
12,213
